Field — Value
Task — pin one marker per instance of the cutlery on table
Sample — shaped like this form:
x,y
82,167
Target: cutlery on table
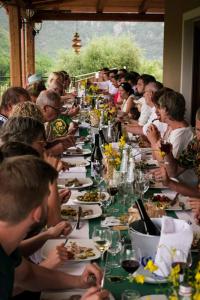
x,y
174,201
79,217
104,271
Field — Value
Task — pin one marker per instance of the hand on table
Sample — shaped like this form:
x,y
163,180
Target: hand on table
x,y
57,257
63,227
161,175
95,294
56,162
68,141
195,205
64,195
91,269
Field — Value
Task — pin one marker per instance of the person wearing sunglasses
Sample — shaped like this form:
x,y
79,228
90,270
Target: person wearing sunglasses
x,y
50,104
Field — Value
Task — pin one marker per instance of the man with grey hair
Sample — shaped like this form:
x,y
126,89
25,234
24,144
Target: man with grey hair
x,y
150,89
50,104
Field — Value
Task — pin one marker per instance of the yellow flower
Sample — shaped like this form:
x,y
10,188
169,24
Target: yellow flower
x,y
174,275
162,153
196,296
173,297
122,142
197,277
150,266
139,278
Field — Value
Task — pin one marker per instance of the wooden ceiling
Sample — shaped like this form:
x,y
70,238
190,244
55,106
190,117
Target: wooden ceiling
x,y
104,10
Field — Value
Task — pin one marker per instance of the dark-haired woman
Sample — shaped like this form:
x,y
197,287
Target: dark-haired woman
x,y
126,94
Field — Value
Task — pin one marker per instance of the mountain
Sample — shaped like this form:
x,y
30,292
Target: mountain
x,y
56,35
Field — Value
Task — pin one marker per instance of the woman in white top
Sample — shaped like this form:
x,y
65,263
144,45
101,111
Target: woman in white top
x,y
126,94
171,110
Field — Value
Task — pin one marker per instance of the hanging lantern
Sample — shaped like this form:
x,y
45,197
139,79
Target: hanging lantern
x,y
76,43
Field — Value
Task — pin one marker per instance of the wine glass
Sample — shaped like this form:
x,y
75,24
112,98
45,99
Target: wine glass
x,y
112,189
141,184
184,261
115,248
102,239
130,259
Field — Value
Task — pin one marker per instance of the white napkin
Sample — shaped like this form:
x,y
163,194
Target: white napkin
x,y
175,235
110,221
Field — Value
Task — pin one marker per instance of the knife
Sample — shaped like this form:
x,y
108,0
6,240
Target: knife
x,y
104,271
79,217
173,202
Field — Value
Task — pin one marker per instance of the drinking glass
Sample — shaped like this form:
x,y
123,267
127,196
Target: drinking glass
x,y
102,239
130,295
141,184
115,248
112,189
130,258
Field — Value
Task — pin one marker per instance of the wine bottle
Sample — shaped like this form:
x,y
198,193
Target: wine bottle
x,y
149,226
119,131
96,158
102,137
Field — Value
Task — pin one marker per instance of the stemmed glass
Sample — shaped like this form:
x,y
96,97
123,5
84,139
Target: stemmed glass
x,y
141,184
102,239
130,259
115,248
112,189
184,262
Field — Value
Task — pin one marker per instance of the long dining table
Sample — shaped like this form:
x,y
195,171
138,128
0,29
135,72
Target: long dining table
x,y
120,276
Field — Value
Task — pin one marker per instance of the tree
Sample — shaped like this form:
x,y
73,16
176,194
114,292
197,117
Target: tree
x,y
43,64
101,52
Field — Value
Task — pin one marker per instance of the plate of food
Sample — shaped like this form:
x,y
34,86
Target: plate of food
x,y
71,212
147,164
168,202
91,197
76,162
74,294
80,249
74,183
76,151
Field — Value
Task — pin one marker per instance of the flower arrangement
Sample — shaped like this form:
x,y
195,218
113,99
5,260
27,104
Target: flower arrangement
x,y
113,158
112,155
191,277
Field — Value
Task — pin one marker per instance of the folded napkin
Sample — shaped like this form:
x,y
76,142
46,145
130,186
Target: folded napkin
x,y
174,245
110,221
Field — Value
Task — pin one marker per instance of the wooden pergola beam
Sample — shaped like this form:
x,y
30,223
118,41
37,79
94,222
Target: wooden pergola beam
x,y
125,17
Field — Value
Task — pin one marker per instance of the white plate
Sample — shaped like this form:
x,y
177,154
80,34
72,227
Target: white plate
x,y
107,196
177,207
65,295
154,297
52,244
97,211
73,153
150,277
79,162
86,182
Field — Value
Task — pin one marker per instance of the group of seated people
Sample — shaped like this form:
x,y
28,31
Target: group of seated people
x,y
36,129
157,115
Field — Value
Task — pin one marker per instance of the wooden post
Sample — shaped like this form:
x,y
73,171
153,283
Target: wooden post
x,y
15,46
23,53
30,50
